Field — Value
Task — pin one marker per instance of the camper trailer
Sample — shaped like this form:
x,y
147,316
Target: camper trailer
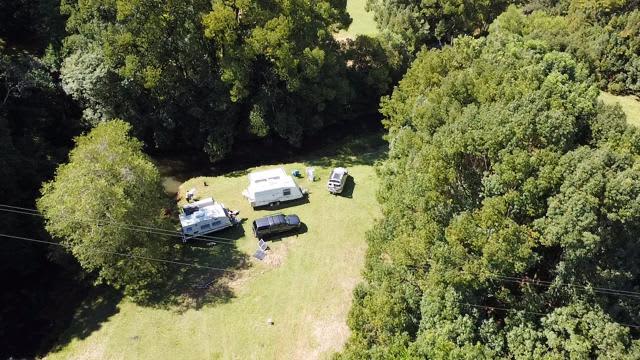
x,y
203,217
271,187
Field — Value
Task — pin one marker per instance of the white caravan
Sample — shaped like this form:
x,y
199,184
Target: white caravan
x,y
271,187
203,217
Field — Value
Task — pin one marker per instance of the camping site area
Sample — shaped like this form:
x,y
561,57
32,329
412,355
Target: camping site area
x,y
304,284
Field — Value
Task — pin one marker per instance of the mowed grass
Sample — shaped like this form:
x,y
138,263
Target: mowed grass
x,y
363,22
304,285
630,105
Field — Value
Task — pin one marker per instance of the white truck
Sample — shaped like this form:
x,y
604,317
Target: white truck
x,y
271,187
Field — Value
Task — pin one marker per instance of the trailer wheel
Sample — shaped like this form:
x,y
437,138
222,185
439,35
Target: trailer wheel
x,y
275,203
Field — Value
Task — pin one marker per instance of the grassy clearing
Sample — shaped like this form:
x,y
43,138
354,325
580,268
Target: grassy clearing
x,y
305,284
630,105
363,22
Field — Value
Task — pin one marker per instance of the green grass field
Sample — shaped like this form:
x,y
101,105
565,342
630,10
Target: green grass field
x,y
630,105
305,284
363,22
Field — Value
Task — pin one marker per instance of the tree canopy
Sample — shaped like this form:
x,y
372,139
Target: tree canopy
x,y
434,23
202,73
507,180
108,182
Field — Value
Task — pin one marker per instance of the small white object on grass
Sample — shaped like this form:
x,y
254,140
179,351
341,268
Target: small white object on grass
x,y
269,321
191,194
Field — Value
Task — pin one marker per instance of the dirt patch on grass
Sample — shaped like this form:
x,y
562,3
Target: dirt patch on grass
x,y
329,336
277,254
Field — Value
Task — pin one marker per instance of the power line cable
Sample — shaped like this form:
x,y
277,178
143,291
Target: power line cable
x,y
35,212
602,290
140,228
137,228
165,232
550,284
131,256
508,309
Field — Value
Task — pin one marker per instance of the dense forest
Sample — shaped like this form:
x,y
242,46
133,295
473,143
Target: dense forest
x,y
510,194
510,197
196,77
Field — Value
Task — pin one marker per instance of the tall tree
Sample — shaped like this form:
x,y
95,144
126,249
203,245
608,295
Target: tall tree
x,y
201,74
434,23
602,34
109,182
506,181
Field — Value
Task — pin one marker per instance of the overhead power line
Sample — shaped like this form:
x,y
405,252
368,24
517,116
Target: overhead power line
x,y
139,228
601,290
147,258
226,241
131,256
508,309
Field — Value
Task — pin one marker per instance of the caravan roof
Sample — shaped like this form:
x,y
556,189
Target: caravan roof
x,y
270,179
206,209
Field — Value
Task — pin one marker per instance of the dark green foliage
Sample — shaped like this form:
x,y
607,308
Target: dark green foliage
x,y
200,74
614,50
37,121
434,23
373,64
31,24
607,41
503,166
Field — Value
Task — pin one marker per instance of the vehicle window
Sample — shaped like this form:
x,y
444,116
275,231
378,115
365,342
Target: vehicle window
x,y
286,192
205,226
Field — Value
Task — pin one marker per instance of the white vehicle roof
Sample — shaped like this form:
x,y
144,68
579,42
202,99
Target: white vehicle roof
x,y
337,173
207,210
269,180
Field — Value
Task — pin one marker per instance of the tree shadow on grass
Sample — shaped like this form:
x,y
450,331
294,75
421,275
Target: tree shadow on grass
x,y
213,265
100,305
349,187
184,288
353,153
237,173
284,205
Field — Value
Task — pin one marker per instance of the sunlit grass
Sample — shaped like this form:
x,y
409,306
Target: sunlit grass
x,y
363,22
630,105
